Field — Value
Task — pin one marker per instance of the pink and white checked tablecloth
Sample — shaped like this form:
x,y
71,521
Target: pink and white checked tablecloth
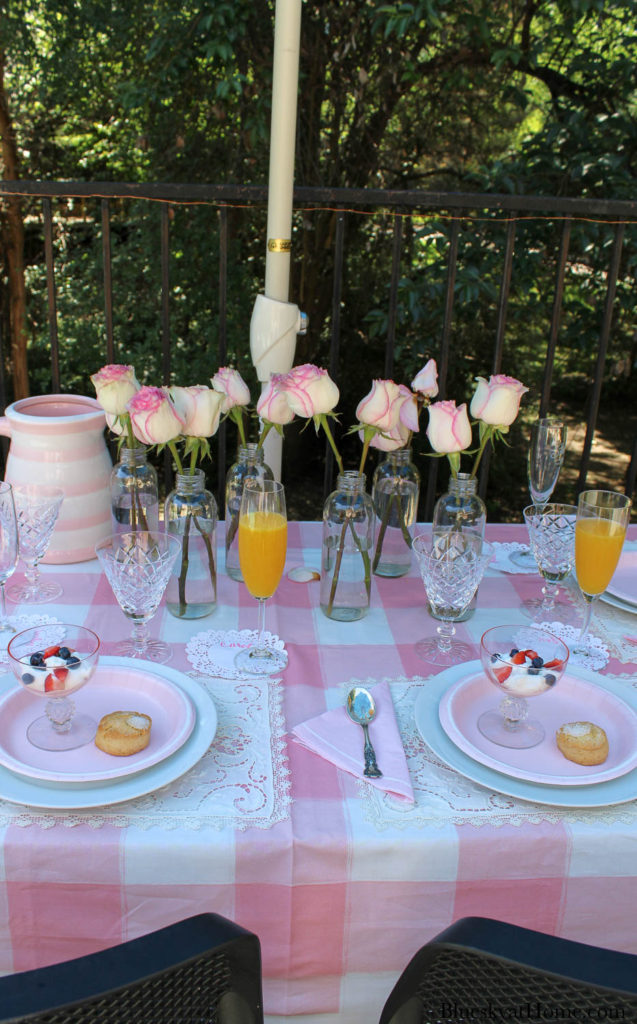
x,y
341,884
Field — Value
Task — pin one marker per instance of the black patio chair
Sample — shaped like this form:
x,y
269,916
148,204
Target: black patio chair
x,y
204,970
484,970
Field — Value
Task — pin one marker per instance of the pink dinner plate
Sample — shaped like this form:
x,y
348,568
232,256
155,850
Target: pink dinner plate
x,y
624,582
573,700
112,688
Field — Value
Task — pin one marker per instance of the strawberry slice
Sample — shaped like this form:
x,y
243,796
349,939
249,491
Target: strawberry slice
x,y
555,663
531,654
54,682
519,658
51,651
502,672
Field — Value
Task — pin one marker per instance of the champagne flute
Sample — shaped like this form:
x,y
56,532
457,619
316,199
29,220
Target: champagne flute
x,y
544,461
262,550
600,529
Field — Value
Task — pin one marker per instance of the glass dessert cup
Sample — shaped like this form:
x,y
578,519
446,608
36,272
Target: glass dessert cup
x,y
521,661
53,661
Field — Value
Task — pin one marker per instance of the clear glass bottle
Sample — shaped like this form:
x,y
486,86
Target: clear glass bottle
x,y
395,492
134,492
461,508
190,513
249,464
348,533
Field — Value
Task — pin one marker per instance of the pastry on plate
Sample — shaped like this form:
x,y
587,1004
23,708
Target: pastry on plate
x,y
583,742
123,733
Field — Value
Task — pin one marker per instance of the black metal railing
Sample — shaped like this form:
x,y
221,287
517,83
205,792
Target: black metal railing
x,y
620,215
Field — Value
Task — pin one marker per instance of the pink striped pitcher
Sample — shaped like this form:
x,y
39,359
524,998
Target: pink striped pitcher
x,y
59,440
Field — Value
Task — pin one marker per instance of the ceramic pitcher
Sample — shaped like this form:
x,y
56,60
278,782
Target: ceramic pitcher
x,y
59,440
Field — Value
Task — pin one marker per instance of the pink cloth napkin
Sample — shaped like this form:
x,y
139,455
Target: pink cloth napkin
x,y
335,737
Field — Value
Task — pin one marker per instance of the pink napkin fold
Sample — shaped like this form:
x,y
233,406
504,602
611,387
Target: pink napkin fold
x,y
335,737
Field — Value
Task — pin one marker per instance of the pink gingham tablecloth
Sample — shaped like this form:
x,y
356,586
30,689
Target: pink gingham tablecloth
x,y
340,893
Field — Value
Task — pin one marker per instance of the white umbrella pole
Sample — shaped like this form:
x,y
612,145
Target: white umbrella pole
x,y
275,322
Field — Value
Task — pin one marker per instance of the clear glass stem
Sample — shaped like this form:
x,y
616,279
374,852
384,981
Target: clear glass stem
x,y
446,632
32,574
5,623
589,598
549,596
140,636
260,647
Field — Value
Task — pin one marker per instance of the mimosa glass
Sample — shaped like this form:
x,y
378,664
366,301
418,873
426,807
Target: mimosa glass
x,y
544,461
263,532
600,529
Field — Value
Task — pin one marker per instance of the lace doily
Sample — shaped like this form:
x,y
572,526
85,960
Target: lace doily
x,y
26,621
597,654
444,797
502,551
241,782
212,652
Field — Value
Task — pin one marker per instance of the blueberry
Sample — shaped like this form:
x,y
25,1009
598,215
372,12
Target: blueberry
x,y
36,659
532,671
64,653
27,678
513,652
550,679
72,660
537,662
495,657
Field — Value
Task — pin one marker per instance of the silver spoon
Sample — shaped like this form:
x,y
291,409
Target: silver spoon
x,y
361,709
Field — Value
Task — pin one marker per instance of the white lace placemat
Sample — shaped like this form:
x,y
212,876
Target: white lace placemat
x,y
502,551
444,797
241,782
589,651
20,622
213,651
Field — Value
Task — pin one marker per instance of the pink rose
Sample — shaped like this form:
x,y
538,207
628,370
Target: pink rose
x,y
381,407
230,383
390,441
408,414
497,401
199,407
114,386
154,417
273,406
309,390
449,429
426,380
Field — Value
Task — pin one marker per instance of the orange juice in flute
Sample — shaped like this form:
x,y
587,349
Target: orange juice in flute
x,y
600,529
262,550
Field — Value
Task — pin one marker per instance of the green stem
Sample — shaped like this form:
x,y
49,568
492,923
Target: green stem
x,y
175,454
185,561
394,497
324,422
267,427
349,516
483,444
193,460
211,556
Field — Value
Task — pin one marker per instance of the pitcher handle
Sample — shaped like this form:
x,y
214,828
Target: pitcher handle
x,y
5,426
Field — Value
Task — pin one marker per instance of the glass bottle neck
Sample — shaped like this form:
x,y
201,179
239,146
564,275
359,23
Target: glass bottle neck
x,y
190,483
463,485
250,454
401,457
133,456
350,481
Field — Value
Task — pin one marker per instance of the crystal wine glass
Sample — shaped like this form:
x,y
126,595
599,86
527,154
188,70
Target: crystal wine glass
x,y
262,548
53,661
544,461
8,548
522,661
600,529
138,566
37,507
452,564
552,536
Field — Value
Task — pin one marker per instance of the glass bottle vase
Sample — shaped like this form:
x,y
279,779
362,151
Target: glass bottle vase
x,y
348,533
190,513
134,492
249,464
461,509
395,492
